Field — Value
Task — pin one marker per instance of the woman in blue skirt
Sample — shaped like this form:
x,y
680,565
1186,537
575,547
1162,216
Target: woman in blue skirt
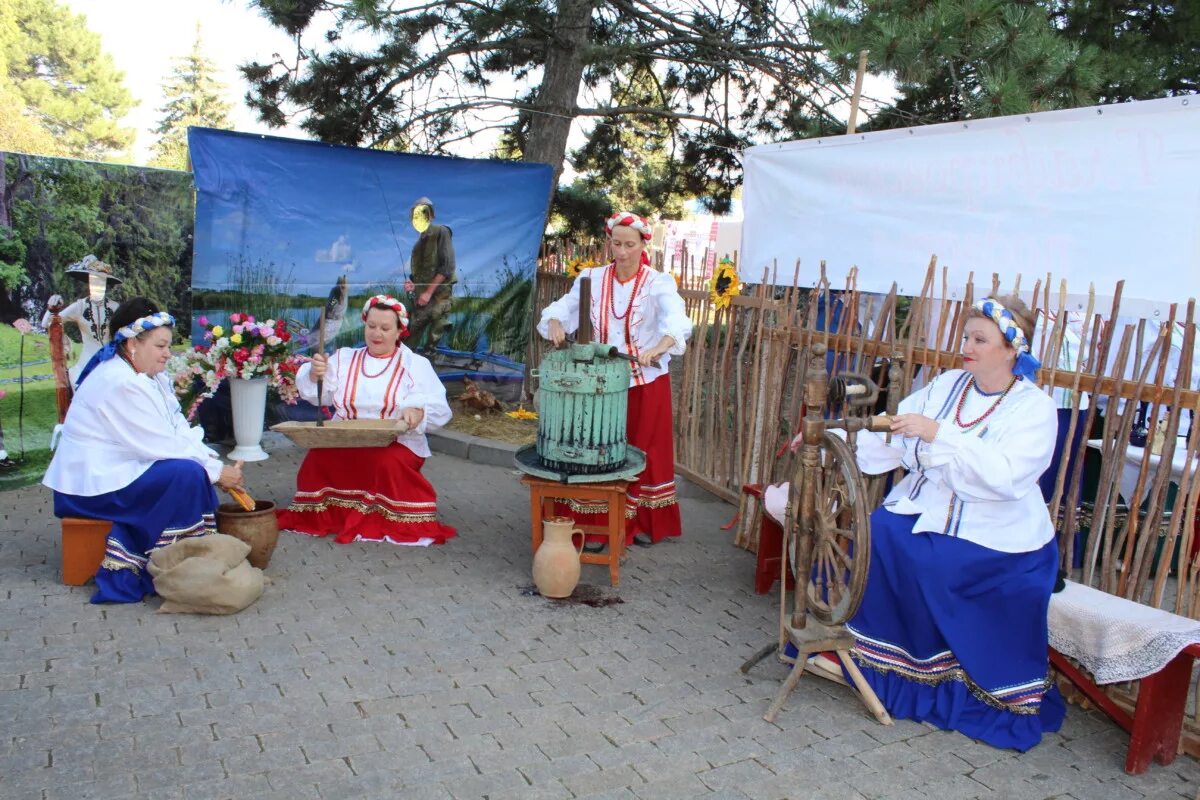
x,y
128,455
952,629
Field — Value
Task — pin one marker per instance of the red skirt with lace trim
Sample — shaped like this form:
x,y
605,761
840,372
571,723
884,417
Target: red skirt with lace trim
x,y
651,504
365,494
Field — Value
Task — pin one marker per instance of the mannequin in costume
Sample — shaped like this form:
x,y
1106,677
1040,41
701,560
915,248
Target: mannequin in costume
x,y
128,455
91,318
639,310
952,628
373,493
433,275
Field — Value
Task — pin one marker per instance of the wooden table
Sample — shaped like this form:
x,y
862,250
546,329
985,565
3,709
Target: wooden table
x,y
543,493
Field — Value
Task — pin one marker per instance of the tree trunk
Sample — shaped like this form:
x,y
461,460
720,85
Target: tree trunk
x,y
5,222
550,123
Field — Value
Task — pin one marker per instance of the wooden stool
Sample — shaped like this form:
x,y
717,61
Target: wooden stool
x,y
543,493
83,542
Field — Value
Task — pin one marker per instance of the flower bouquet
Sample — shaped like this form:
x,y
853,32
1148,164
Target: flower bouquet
x,y
248,349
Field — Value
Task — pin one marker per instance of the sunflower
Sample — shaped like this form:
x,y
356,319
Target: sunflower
x,y
578,265
724,283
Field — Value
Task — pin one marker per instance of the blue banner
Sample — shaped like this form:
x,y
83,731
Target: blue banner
x,y
285,228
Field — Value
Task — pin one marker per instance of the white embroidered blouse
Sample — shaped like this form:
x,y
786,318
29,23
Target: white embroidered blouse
x,y
360,386
978,482
121,422
633,315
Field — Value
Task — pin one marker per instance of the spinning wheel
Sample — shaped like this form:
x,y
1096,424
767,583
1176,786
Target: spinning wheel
x,y
827,531
840,533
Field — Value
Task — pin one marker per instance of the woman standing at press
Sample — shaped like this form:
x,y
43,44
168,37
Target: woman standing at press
x,y
639,310
128,455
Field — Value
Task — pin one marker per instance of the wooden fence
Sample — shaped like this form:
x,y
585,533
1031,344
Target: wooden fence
x,y
737,405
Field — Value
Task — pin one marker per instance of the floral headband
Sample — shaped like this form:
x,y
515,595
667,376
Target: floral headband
x,y
390,303
639,224
1026,364
130,331
143,324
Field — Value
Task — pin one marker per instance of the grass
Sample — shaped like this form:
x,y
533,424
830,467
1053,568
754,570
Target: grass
x,y
494,425
41,414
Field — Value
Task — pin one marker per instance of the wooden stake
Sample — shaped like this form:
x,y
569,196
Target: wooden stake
x,y
852,126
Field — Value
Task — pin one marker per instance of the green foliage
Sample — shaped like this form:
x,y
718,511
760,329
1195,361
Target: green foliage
x,y
138,220
962,59
628,167
1146,48
194,98
12,261
62,94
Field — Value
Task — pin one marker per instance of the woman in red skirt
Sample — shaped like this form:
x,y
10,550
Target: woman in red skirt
x,y
639,310
375,494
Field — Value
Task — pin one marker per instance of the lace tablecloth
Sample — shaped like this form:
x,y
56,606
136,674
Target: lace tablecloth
x,y
1115,639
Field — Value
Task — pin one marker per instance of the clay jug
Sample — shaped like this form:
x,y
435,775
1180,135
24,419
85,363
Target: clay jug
x,y
256,528
556,562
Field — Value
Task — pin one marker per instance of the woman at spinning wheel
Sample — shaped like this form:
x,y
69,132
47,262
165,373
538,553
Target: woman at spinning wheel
x,y
638,309
952,627
128,455
373,494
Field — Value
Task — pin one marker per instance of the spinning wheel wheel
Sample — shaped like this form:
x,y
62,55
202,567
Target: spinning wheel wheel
x,y
840,534
828,532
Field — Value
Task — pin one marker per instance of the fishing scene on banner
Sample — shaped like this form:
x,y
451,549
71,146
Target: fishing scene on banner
x,y
300,234
81,237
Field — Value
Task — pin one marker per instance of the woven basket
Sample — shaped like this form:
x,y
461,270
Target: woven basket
x,y
343,432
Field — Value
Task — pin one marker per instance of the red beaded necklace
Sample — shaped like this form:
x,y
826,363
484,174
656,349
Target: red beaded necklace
x,y
963,399
363,366
612,301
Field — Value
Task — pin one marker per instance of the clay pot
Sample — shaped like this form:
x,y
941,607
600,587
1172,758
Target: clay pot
x,y
256,528
556,562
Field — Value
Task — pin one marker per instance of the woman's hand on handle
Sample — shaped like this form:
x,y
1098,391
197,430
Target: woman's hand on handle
x,y
412,416
320,365
557,334
231,477
915,425
648,357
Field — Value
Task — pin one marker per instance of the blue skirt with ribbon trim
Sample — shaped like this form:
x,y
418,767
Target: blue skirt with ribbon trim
x,y
172,500
955,634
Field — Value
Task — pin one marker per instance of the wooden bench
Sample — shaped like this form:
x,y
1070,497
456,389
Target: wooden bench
x,y
83,543
1156,724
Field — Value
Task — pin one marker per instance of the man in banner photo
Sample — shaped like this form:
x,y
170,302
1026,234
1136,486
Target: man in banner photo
x,y
432,283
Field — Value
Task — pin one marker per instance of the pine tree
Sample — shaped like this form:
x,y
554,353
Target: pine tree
x,y
627,166
962,59
194,97
60,94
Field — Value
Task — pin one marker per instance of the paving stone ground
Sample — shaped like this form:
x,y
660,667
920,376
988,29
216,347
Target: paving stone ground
x,y
371,671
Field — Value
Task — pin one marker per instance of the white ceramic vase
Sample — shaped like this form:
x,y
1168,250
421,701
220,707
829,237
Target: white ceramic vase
x,y
249,400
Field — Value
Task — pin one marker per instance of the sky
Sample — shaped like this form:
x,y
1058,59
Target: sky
x,y
143,36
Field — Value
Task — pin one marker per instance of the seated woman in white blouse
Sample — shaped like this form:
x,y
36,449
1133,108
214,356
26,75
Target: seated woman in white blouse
x,y
373,494
128,455
638,309
952,629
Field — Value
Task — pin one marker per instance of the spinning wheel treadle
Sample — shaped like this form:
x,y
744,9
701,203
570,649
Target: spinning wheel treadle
x,y
836,571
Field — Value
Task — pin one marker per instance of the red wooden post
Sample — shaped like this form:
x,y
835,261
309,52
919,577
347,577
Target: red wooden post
x,y
58,358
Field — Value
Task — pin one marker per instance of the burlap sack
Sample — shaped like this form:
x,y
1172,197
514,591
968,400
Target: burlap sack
x,y
205,575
